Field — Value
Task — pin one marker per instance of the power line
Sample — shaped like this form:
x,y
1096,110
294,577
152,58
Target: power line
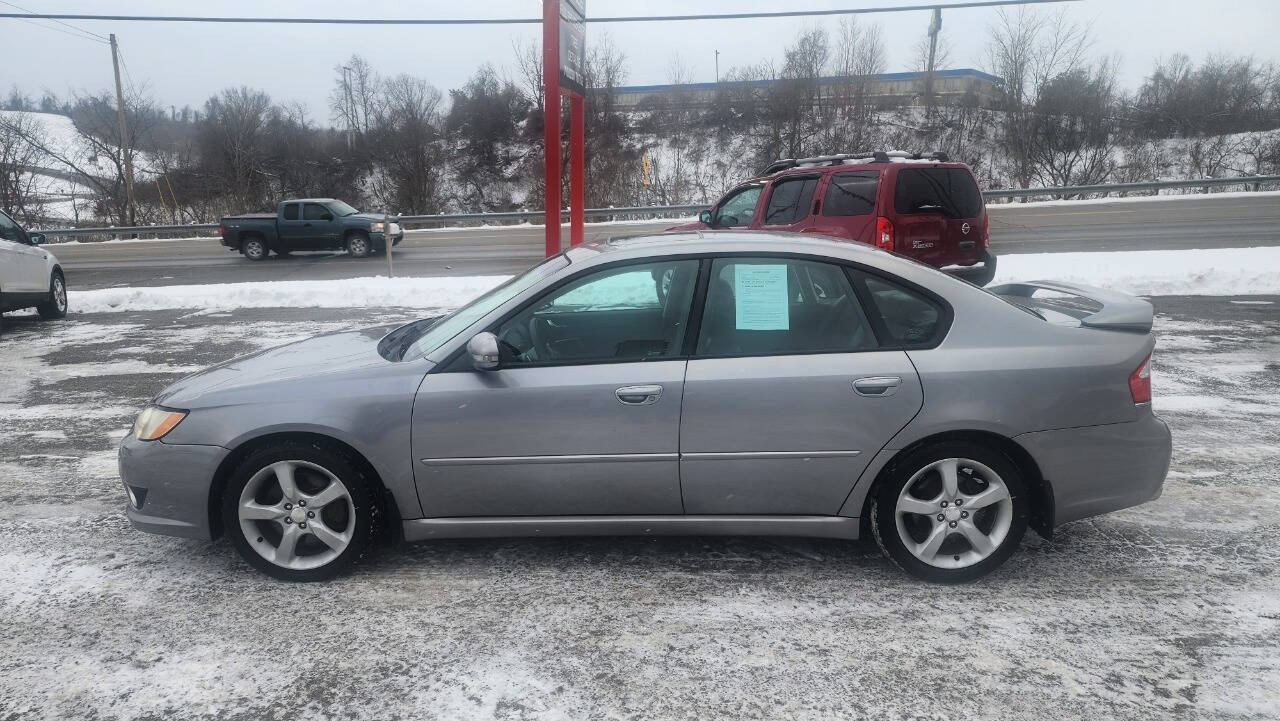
x,y
69,25
515,21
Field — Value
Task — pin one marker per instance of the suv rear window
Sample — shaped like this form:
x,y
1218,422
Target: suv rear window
x,y
851,193
790,201
930,190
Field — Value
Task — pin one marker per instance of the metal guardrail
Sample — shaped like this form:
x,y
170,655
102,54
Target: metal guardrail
x,y
444,219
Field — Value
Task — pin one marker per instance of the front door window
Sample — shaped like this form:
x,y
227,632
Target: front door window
x,y
739,208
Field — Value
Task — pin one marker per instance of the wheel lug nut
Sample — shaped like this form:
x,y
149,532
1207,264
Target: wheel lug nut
x,y
953,524
944,504
312,514
302,503
304,525
964,514
288,506
959,501
941,517
287,521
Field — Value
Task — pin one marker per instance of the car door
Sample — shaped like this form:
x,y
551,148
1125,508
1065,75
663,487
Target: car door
x,y
581,417
319,226
848,206
22,267
789,206
789,393
292,229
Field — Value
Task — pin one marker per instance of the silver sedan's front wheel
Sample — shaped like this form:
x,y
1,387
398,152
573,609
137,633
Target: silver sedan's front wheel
x,y
951,512
298,512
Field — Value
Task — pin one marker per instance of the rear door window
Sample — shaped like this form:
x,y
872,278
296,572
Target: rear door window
x,y
851,193
291,211
950,191
909,318
790,201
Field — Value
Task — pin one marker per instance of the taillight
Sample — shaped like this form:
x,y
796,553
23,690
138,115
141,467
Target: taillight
x,y
884,233
1140,382
986,230
222,230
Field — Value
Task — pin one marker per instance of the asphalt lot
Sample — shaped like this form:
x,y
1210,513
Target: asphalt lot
x,y
1169,610
1211,221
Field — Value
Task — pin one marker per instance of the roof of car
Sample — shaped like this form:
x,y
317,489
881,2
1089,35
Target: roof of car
x,y
859,165
711,241
310,200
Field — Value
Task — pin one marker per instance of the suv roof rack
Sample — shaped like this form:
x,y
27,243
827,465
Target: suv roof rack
x,y
879,156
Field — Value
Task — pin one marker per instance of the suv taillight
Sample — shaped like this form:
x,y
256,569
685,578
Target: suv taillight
x,y
986,230
884,233
1140,381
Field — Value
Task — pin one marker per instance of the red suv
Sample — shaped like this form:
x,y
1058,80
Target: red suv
x,y
921,206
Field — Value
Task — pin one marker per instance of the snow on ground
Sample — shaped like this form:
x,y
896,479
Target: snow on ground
x,y
1224,271
1170,610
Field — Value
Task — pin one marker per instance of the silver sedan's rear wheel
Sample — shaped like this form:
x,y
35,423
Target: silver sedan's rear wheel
x,y
951,512
298,512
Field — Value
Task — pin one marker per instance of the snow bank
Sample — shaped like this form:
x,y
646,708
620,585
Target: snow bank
x,y
1220,271
1182,194
372,292
1217,271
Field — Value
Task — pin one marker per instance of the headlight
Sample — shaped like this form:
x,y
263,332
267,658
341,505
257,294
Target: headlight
x,y
376,227
154,422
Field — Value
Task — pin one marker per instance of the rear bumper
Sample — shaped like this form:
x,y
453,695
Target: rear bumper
x,y
172,482
1099,469
980,272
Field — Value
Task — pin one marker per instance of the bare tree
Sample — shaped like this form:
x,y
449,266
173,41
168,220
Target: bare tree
x,y
411,154
354,96
1028,48
21,137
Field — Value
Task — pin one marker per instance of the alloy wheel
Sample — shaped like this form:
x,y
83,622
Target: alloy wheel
x,y
953,513
296,515
60,293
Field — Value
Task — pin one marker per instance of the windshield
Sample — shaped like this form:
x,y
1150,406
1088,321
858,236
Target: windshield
x,y
444,330
341,209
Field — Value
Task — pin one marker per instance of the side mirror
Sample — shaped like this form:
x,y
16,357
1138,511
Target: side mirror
x,y
483,349
705,217
36,238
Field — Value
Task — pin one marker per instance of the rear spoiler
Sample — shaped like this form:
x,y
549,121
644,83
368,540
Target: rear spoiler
x,y
1120,311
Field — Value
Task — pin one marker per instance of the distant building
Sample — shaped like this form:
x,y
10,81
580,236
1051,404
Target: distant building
x,y
952,87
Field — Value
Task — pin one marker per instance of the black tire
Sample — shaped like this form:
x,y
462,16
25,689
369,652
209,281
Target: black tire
x,y
358,245
361,514
254,248
884,517
56,307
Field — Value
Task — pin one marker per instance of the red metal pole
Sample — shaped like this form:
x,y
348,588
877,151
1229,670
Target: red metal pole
x,y
551,120
577,171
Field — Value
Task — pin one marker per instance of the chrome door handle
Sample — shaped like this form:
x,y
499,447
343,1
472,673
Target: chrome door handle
x,y
878,386
638,395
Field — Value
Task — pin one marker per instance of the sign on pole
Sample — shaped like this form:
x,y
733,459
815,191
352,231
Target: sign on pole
x,y
573,45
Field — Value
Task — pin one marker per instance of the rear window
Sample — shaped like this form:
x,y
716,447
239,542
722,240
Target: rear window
x,y
937,190
851,193
790,201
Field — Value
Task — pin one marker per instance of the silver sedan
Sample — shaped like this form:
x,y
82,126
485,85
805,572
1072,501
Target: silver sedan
x,y
693,383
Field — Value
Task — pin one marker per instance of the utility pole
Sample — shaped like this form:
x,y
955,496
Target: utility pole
x,y
717,66
935,24
126,152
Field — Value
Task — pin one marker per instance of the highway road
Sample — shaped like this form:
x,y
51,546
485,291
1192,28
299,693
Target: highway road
x,y
1212,221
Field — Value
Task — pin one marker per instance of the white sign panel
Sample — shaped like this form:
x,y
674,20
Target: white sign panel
x,y
760,296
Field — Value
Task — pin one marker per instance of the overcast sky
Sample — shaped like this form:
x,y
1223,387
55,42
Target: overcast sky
x,y
184,63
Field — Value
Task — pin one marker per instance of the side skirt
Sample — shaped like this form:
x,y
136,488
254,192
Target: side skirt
x,y
421,529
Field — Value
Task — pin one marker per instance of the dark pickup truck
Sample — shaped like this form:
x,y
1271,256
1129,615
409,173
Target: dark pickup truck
x,y
308,224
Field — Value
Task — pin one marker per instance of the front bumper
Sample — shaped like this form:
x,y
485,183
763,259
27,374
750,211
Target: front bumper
x,y
172,482
379,240
1099,469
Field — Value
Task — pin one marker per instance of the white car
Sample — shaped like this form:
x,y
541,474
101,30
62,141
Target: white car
x,y
30,276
